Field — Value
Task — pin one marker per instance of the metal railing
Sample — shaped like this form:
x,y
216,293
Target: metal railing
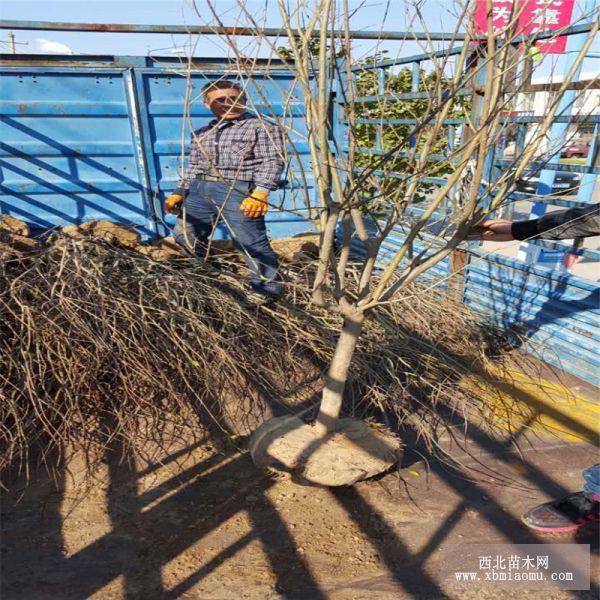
x,y
453,126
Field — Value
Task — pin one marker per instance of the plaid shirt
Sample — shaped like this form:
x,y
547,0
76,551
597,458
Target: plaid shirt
x,y
245,149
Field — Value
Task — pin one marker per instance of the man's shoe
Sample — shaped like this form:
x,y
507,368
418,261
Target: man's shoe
x,y
566,514
256,299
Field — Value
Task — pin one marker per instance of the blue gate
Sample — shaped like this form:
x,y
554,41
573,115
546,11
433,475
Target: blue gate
x,y
70,147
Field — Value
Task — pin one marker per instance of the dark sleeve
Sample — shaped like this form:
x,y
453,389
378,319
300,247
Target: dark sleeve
x,y
560,225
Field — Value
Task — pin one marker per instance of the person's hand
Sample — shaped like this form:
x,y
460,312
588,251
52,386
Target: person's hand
x,y
255,206
172,203
493,231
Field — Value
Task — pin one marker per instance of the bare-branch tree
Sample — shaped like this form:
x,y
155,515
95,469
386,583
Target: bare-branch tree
x,y
361,194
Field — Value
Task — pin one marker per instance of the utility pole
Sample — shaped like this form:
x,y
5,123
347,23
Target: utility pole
x,y
11,42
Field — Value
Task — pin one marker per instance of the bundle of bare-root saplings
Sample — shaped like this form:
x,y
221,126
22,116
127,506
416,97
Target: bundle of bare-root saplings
x,y
101,343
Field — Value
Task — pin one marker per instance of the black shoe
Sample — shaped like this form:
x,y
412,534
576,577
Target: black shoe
x,y
257,299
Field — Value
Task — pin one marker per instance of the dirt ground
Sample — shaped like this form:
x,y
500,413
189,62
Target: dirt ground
x,y
205,524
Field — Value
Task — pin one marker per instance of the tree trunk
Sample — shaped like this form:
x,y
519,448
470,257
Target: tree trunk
x,y
336,377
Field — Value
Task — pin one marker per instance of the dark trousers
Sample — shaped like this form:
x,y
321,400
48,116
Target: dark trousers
x,y
210,201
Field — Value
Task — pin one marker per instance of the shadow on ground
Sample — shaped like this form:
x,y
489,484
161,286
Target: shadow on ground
x,y
204,523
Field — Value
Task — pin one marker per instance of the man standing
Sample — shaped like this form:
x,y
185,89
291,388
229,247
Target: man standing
x,y
235,161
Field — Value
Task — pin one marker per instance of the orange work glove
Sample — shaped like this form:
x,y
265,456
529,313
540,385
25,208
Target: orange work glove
x,y
255,205
172,203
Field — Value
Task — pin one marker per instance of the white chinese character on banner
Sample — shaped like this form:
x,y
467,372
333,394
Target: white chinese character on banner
x,y
546,16
485,562
500,563
514,562
501,13
528,562
542,561
548,3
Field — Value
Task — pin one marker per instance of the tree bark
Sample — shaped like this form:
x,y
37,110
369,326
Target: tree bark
x,y
335,380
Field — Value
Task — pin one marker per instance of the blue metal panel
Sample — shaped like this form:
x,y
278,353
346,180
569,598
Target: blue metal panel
x,y
559,314
437,276
68,151
83,142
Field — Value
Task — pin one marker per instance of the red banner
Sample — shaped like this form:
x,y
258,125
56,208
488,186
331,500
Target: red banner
x,y
533,16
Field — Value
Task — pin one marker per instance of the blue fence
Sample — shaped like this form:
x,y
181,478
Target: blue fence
x,y
557,314
69,147
86,139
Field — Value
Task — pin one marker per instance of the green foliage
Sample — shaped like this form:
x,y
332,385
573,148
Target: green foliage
x,y
397,138
314,46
